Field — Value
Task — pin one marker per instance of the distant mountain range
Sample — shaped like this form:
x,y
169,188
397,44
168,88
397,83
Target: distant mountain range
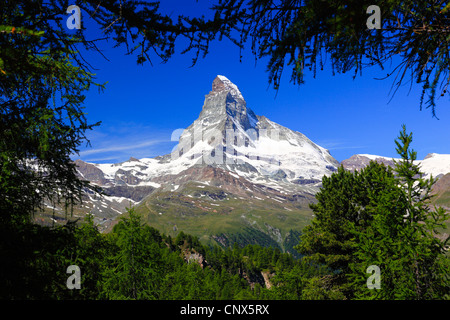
x,y
234,176
433,164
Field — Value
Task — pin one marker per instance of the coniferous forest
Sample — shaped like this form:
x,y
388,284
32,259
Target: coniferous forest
x,y
136,261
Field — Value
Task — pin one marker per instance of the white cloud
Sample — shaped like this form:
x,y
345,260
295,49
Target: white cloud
x,y
124,140
115,148
339,145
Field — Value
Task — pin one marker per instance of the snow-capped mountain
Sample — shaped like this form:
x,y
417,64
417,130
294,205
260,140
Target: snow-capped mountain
x,y
228,138
229,135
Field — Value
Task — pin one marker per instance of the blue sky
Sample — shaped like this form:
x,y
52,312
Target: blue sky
x,y
143,105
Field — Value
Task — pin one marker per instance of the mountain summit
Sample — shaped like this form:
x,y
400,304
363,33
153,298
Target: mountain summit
x,y
226,107
229,135
221,83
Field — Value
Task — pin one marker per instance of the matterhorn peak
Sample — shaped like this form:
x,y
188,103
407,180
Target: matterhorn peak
x,y
225,106
230,135
222,83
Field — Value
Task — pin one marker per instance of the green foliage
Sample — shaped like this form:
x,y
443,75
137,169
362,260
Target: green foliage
x,y
342,205
248,236
402,240
230,219
35,259
134,266
41,115
135,261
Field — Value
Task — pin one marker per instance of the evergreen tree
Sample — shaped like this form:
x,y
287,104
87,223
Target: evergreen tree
x,y
135,268
89,253
341,206
402,240
44,78
377,217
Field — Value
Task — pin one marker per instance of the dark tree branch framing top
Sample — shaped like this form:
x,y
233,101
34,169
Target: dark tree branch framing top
x,y
143,29
302,34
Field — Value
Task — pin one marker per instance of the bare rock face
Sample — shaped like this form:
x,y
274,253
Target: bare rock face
x,y
355,162
218,85
224,108
195,257
126,177
442,185
135,193
90,172
358,162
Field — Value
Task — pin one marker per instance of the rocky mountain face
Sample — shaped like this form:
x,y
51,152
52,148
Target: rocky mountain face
x,y
230,136
358,162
